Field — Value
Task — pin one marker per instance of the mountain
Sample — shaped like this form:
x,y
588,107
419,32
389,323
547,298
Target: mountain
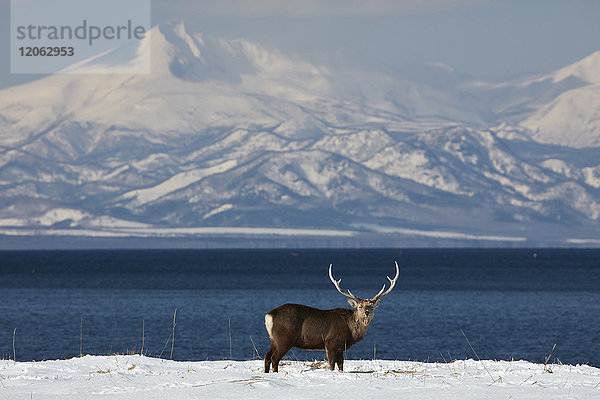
x,y
225,138
559,108
573,117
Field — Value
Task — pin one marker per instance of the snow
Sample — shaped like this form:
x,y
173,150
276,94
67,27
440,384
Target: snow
x,y
587,69
107,222
592,176
558,166
12,222
580,241
61,214
229,129
414,164
445,234
176,182
135,377
570,120
218,210
357,146
123,228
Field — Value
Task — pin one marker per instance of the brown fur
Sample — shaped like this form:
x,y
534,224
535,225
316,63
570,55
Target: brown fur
x,y
295,325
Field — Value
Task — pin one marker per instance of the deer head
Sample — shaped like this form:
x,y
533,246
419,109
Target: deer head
x,y
364,308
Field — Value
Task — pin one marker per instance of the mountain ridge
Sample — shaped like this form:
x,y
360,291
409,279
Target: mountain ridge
x,y
227,134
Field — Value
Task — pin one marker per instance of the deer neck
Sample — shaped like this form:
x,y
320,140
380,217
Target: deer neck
x,y
358,326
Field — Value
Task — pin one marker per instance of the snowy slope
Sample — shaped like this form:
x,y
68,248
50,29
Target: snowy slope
x,y
587,70
136,377
226,134
183,94
573,118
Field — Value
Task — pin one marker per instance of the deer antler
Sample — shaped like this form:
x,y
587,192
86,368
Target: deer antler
x,y
392,284
337,286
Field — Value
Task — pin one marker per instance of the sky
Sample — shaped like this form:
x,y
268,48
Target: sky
x,y
494,39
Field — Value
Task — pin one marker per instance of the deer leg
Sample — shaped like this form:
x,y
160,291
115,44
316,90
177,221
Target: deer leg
x,y
333,357
278,354
268,358
335,354
340,360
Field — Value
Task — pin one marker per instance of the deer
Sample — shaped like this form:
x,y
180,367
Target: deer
x,y
308,328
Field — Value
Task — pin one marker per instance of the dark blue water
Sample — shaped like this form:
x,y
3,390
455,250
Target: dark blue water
x,y
509,303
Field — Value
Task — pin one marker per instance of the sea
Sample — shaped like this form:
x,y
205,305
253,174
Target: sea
x,y
541,305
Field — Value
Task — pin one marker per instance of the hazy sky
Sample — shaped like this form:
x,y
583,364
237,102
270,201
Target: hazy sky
x,y
484,38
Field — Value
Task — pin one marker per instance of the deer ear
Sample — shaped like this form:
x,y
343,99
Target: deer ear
x,y
353,303
376,304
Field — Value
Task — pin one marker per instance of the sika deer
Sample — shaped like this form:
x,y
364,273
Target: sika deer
x,y
295,325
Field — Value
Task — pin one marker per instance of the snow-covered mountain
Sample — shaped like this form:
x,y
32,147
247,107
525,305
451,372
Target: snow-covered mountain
x,y
572,118
228,137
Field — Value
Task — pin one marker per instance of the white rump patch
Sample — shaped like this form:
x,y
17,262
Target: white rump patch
x,y
269,325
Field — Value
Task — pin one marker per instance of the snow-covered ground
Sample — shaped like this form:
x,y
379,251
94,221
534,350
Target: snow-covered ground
x,y
136,377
